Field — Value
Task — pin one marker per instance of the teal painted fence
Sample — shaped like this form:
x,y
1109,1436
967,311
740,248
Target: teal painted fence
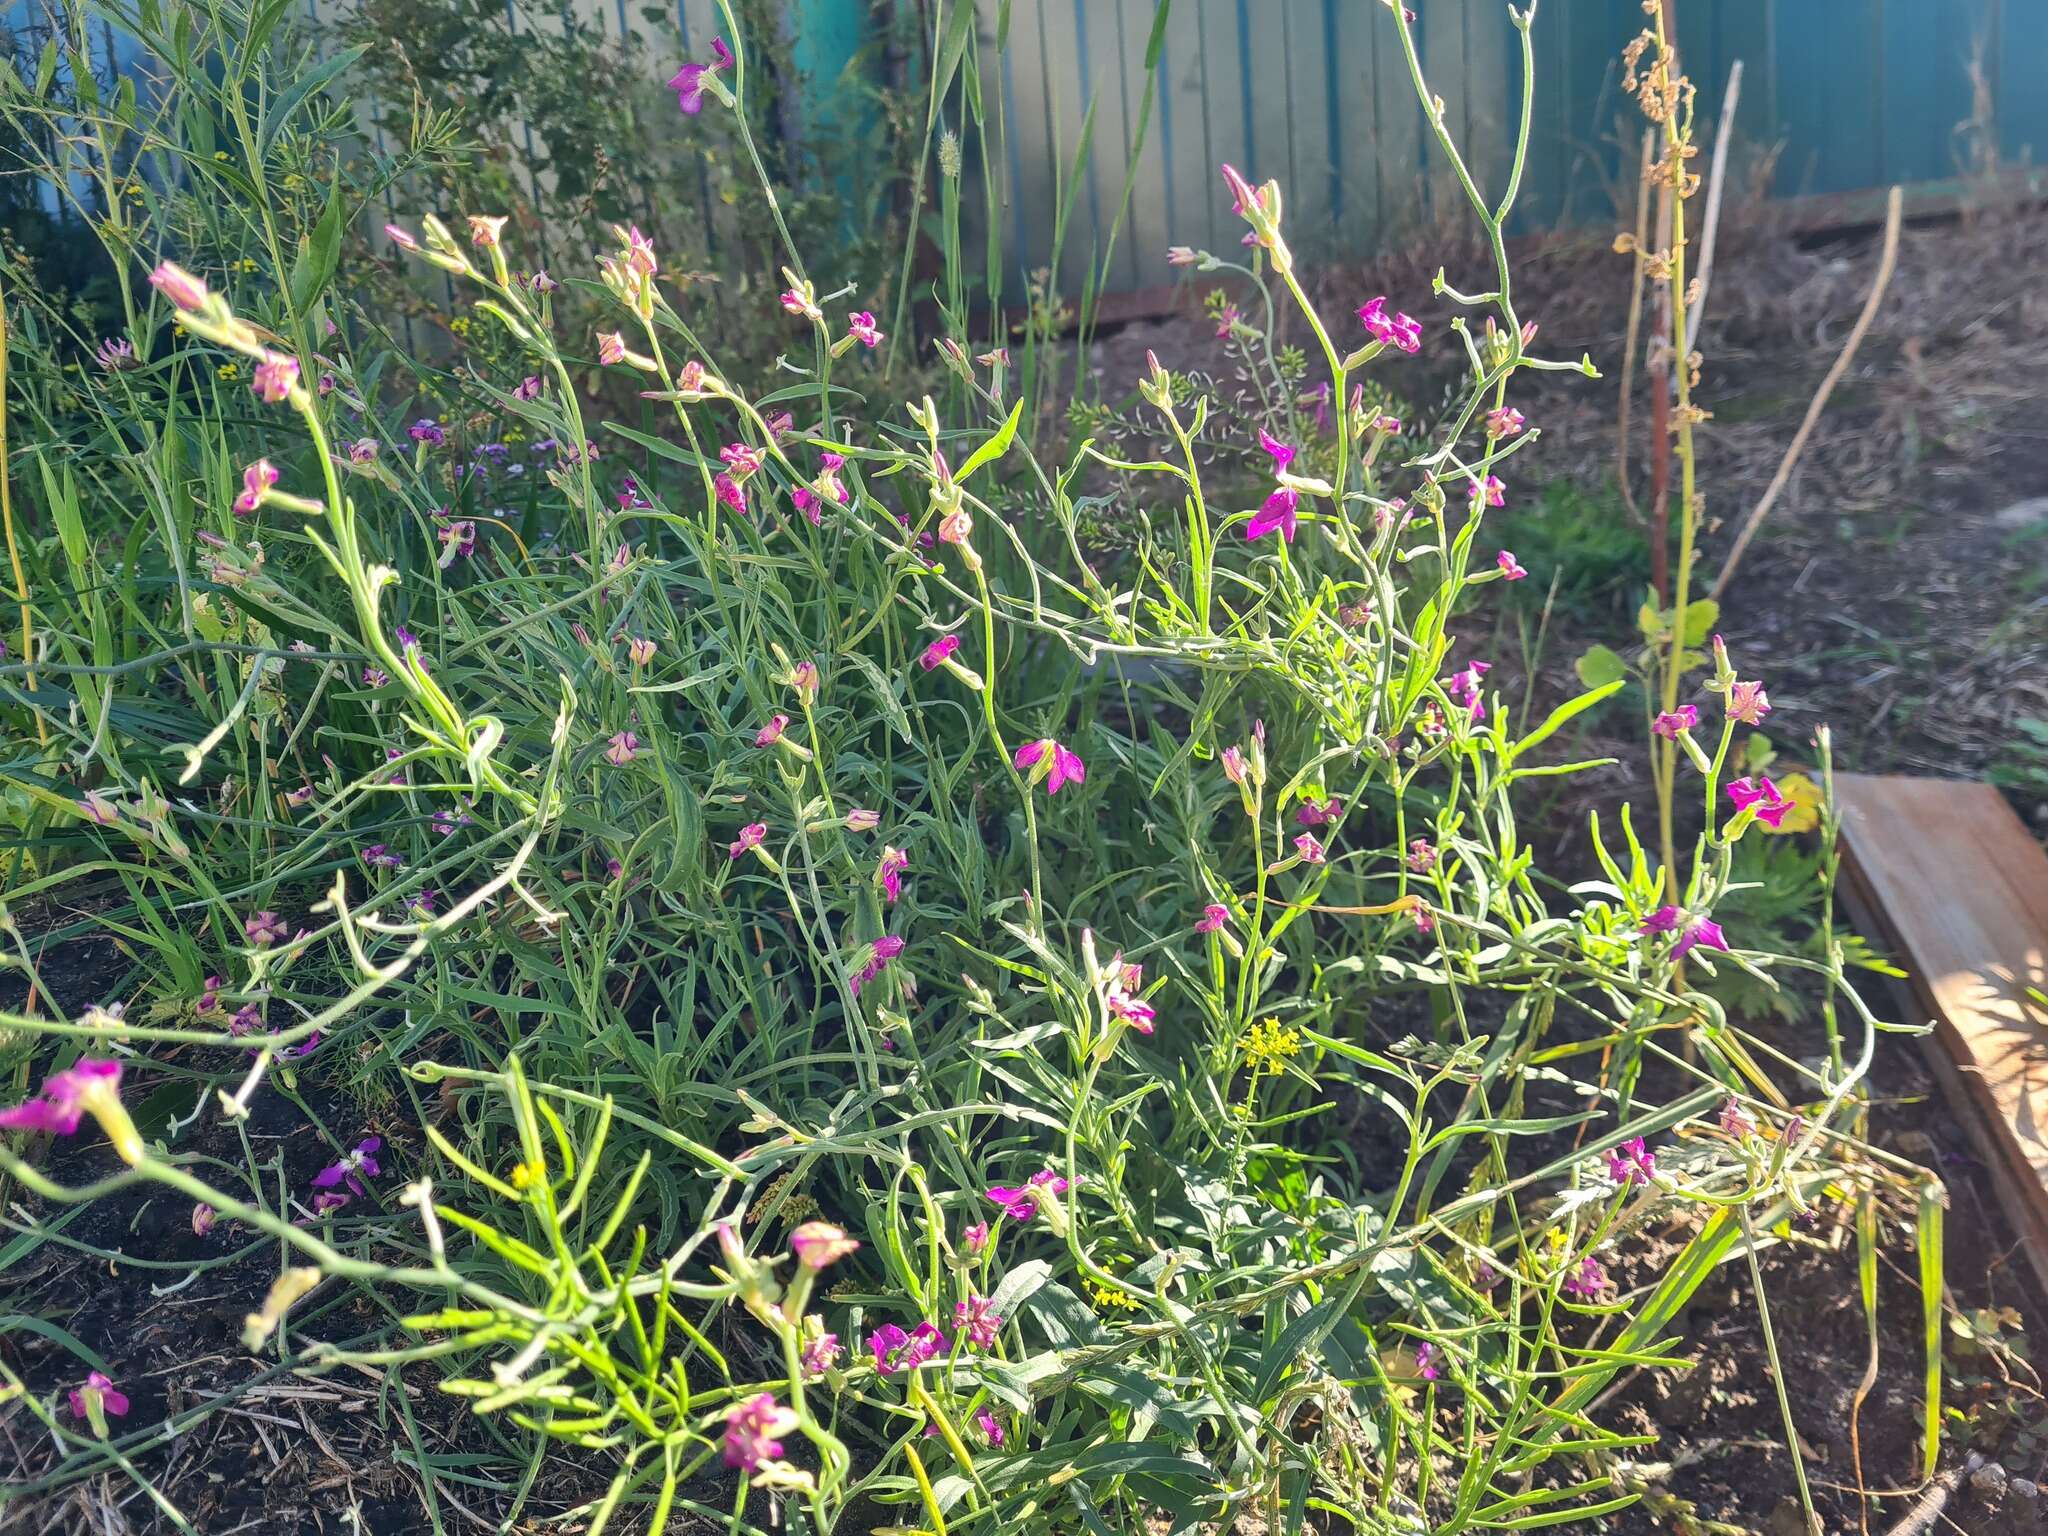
x,y
1845,94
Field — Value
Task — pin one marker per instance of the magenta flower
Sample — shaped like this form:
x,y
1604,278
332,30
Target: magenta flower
x,y
749,838
1671,721
528,388
66,1098
1051,762
1735,1120
1691,930
116,354
880,953
1122,998
938,651
1490,490
1421,856
819,1244
860,325
1748,703
446,822
820,1353
742,459
889,873
380,856
1511,569
1234,767
1464,686
622,749
1588,1280
113,1402
275,377
1282,454
1632,1162
1506,421
257,479
730,491
1227,319
974,1238
771,733
1019,1203
1390,330
458,541
179,286
1760,792
1310,851
1425,1361
975,1318
427,431
1214,917
264,929
894,1350
751,1428
689,81
991,1430
1278,512
353,1167
1312,814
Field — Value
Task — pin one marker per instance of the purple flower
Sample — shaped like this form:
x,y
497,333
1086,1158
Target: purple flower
x,y
353,1167
689,81
978,1321
858,820
1505,421
1735,1120
116,354
113,1402
894,1350
1018,1202
820,1353
1748,703
1278,512
264,929
1308,849
730,491
1282,454
375,677
1760,792
1671,721
1122,998
1214,916
974,1238
1490,490
1588,1280
1312,814
257,479
1464,686
623,747
749,838
1390,330
1425,1361
771,733
427,430
1691,930
380,856
1053,762
880,953
938,651
889,873
991,1430
66,1098
445,822
527,388
1632,1162
861,327
275,377
1510,568
751,1428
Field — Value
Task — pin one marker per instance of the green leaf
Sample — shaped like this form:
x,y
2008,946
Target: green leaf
x,y
1600,666
1700,618
1565,713
302,89
996,446
1933,1204
321,253
1019,1285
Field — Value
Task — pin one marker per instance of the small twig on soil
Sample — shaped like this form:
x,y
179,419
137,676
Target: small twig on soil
x,y
1635,328
1921,1517
1716,180
1886,262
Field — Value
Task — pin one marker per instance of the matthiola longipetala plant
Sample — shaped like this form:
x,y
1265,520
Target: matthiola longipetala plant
x,y
887,974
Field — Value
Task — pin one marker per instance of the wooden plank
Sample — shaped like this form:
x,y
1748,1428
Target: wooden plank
x,y
1954,883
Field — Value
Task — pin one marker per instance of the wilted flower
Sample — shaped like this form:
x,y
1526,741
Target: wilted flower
x,y
622,749
1748,703
485,231
611,348
938,651
858,820
818,1244
1314,814
264,929
640,650
458,541
1051,762
1735,1120
751,1428
771,733
1227,319
1390,330
889,873
353,1167
275,377
116,354
527,388
1214,917
1671,721
880,953
1308,849
976,1319
428,431
1421,856
96,808
364,450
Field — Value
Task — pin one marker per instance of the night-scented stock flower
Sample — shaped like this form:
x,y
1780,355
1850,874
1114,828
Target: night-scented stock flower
x,y
1694,929
1759,796
692,80
90,1087
1022,1202
352,1167
1632,1162
1052,763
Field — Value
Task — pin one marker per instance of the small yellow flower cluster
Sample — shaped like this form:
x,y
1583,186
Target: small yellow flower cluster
x,y
1109,1299
228,372
1269,1044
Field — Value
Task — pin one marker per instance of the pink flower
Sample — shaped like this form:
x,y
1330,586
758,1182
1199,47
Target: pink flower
x,y
485,231
1464,686
1425,1361
1691,930
1510,568
1214,917
860,325
956,527
1748,703
975,1318
1760,792
895,1350
527,388
611,348
1227,319
1390,330
275,377
974,1238
880,953
1422,856
1505,421
688,82
1234,768
179,286
1278,512
730,491
1020,1203
771,733
1490,490
256,480
1735,1120
353,1167
204,1219
1671,721
1313,815
818,1244
1122,998
640,650
858,820
820,1353
743,459
1060,766
1588,1280
750,838
751,1428
1180,256
938,651
622,749
803,677
67,1097
889,873
1632,1162
113,1402
991,1429
797,302
1282,454
98,810
264,929
1309,849
404,239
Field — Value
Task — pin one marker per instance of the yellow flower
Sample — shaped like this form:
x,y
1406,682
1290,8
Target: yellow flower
x,y
1110,1299
229,372
1269,1044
